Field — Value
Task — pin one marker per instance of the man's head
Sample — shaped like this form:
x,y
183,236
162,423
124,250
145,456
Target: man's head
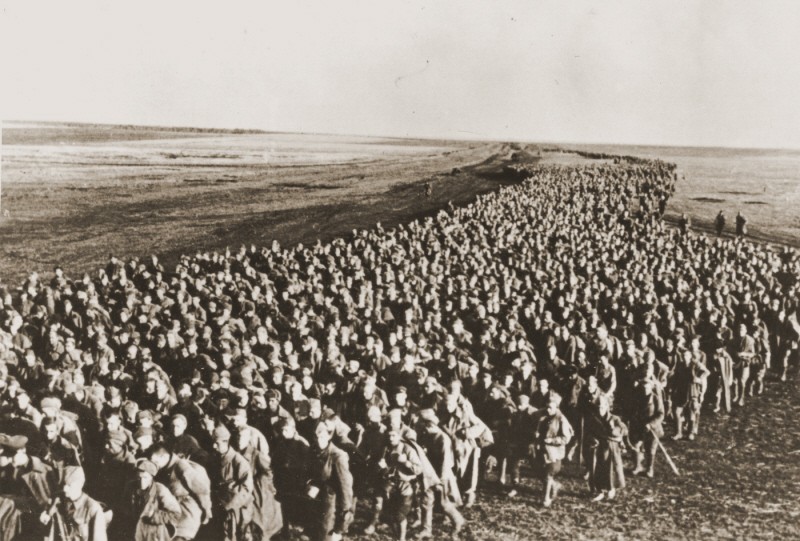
x,y
394,437
50,428
323,435
73,481
146,471
113,421
179,424
13,450
553,404
160,455
243,439
273,397
144,437
288,428
222,439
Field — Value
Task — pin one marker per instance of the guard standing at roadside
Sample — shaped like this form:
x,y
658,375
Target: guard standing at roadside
x,y
719,223
741,225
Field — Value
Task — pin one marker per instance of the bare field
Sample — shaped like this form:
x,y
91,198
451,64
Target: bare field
x,y
74,204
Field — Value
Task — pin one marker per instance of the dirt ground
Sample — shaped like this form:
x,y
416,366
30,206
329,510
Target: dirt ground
x,y
74,204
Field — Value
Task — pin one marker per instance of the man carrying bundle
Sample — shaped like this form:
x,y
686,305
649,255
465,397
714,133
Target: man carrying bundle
x,y
552,435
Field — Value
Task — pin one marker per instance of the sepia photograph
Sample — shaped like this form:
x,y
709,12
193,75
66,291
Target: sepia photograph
x,y
391,271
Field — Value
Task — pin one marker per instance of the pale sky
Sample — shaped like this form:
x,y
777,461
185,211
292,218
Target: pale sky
x,y
679,72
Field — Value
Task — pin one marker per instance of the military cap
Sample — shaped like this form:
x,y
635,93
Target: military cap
x,y
428,416
327,414
147,466
74,475
273,394
401,390
51,402
221,433
143,431
179,417
144,414
13,443
236,412
129,406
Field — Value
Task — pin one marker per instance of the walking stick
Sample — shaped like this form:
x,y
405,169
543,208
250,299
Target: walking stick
x,y
672,465
580,446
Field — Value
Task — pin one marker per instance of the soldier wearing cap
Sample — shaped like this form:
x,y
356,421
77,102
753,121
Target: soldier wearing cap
x,y
646,426
399,466
267,517
606,435
330,483
459,421
274,412
291,455
238,421
151,507
27,479
60,451
438,449
184,444
65,421
76,516
145,438
23,409
233,479
191,486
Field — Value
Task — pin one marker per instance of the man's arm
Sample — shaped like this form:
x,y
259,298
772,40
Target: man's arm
x,y
169,510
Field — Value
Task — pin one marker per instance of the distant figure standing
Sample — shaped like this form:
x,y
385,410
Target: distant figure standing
x,y
428,189
741,225
720,223
684,223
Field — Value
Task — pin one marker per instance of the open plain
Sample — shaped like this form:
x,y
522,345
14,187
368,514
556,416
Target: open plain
x,y
76,193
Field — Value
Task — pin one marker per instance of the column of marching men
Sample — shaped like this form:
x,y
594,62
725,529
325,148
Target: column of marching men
x,y
264,392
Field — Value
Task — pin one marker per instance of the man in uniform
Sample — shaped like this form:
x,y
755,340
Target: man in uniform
x,y
150,505
439,450
719,223
400,466
27,480
553,433
743,353
234,493
76,516
646,426
189,483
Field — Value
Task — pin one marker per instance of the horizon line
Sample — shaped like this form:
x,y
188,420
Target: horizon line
x,y
261,131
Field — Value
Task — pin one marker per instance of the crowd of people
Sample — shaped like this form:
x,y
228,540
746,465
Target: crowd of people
x,y
264,392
